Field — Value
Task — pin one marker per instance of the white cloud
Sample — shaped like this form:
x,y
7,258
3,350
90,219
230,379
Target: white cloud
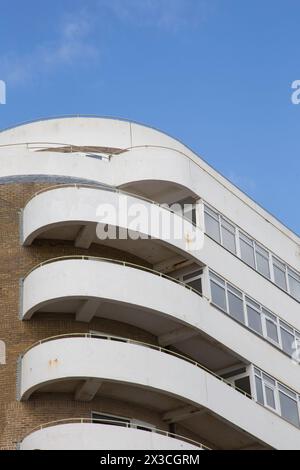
x,y
71,45
171,15
74,41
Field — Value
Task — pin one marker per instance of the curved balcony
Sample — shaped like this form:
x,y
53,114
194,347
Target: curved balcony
x,y
40,148
113,218
150,376
86,434
90,288
145,170
171,310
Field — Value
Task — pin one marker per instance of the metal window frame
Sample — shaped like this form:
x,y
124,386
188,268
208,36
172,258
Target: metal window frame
x,y
264,312
272,258
278,387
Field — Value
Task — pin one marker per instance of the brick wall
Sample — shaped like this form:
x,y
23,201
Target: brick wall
x,y
17,418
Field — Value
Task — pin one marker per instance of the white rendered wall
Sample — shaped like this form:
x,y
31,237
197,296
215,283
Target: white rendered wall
x,y
81,205
100,437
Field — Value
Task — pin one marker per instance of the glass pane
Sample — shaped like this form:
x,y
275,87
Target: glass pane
x,y
212,227
270,399
252,303
218,295
269,314
287,341
254,320
214,277
287,391
279,277
263,265
294,285
236,309
286,327
268,379
259,391
271,330
228,239
289,409
235,291
247,252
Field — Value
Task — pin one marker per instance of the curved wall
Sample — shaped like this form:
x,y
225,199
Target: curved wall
x,y
65,206
100,437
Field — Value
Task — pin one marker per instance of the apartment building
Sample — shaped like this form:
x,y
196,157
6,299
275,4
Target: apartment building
x,y
140,342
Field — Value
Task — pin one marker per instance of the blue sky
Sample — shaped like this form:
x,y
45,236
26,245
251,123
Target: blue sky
x,y
216,74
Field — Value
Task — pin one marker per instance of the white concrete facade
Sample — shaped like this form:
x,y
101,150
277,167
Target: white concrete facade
x,y
95,161
84,436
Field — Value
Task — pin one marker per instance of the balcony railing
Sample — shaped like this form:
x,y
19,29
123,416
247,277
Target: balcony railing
x,y
120,263
138,343
112,189
119,423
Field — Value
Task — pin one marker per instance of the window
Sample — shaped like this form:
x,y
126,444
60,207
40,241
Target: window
x,y
271,326
251,252
279,273
218,293
254,316
262,261
235,304
287,338
269,388
259,390
276,396
294,284
212,224
288,405
247,250
228,235
265,389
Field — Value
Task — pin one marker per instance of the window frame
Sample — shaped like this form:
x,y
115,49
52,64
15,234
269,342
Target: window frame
x,y
278,388
258,249
265,314
243,237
